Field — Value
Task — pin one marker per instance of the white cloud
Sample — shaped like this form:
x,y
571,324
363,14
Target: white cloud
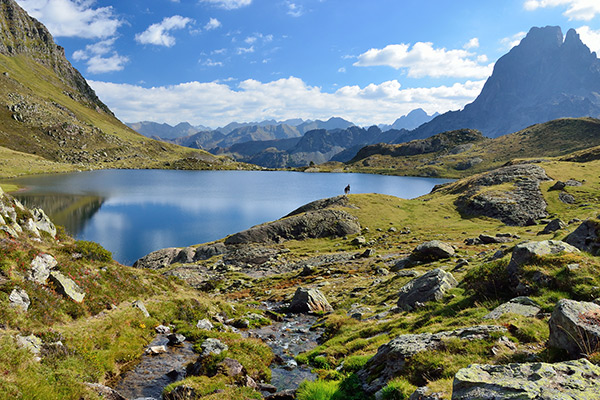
x,y
158,34
472,44
213,23
424,60
211,63
590,37
217,104
229,4
245,50
73,18
294,9
342,70
95,56
584,10
512,41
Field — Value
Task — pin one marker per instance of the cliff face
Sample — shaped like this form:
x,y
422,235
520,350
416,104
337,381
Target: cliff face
x,y
21,34
541,79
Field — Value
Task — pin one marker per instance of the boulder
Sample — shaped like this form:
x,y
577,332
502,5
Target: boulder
x,y
231,367
175,339
432,251
575,327
307,300
41,267
585,237
313,224
29,226
204,324
570,380
66,286
154,350
487,239
42,222
31,343
104,392
424,393
566,198
163,330
553,226
429,287
140,305
519,305
212,346
18,298
524,252
391,358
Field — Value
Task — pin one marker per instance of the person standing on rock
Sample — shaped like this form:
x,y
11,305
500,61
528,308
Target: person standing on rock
x,y
347,190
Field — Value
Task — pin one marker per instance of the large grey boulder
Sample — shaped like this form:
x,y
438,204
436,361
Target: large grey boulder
x,y
67,286
525,252
40,268
431,286
570,380
19,298
391,358
42,222
586,237
575,327
432,251
553,226
309,225
307,300
519,305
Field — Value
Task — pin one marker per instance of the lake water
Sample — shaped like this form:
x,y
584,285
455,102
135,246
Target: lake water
x,y
134,212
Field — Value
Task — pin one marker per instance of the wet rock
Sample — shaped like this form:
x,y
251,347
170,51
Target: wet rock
x,y
524,252
18,298
204,324
313,224
104,392
67,286
553,226
140,305
391,358
307,300
40,268
265,387
175,339
432,251
578,379
429,287
212,346
519,305
585,237
575,327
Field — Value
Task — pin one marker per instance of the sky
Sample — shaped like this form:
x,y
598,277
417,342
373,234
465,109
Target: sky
x,y
212,62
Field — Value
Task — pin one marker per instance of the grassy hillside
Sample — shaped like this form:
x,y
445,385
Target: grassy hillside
x,y
551,139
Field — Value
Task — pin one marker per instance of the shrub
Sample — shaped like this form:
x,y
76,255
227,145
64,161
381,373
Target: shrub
x,y
489,280
92,251
397,389
317,390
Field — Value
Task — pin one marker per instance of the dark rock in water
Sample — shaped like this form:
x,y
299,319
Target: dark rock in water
x,y
566,198
516,206
553,226
586,237
309,300
579,379
575,327
391,358
313,224
432,251
338,201
429,287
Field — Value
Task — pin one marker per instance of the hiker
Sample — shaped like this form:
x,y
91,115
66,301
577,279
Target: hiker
x,y
347,189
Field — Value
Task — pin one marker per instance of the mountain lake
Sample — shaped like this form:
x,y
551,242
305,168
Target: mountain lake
x,y
134,212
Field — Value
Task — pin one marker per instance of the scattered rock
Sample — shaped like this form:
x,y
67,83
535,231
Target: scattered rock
x,y
289,394
204,324
154,350
432,251
67,286
212,346
566,198
307,300
559,185
553,226
175,339
367,253
140,305
104,392
578,379
487,239
391,358
18,298
519,305
585,237
359,241
163,330
575,327
424,393
41,267
429,287
31,343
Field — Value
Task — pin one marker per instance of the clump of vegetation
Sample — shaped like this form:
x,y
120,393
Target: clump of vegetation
x,y
90,251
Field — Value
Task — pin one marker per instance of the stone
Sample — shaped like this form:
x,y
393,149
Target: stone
x,y
524,252
67,286
231,367
19,299
154,350
204,324
359,241
553,226
105,392
307,300
140,306
30,227
175,339
31,343
212,346
432,286
163,330
570,380
42,222
566,198
432,251
487,239
40,268
575,327
424,393
585,237
559,185
391,358
519,305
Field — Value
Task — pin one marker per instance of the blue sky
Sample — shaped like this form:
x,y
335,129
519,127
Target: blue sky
x,y
211,62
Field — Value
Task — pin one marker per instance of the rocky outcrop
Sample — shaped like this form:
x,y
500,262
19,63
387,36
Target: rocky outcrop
x,y
313,224
570,380
338,201
524,252
519,305
431,286
519,204
163,258
575,327
42,222
391,358
66,286
40,268
432,251
307,300
586,237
